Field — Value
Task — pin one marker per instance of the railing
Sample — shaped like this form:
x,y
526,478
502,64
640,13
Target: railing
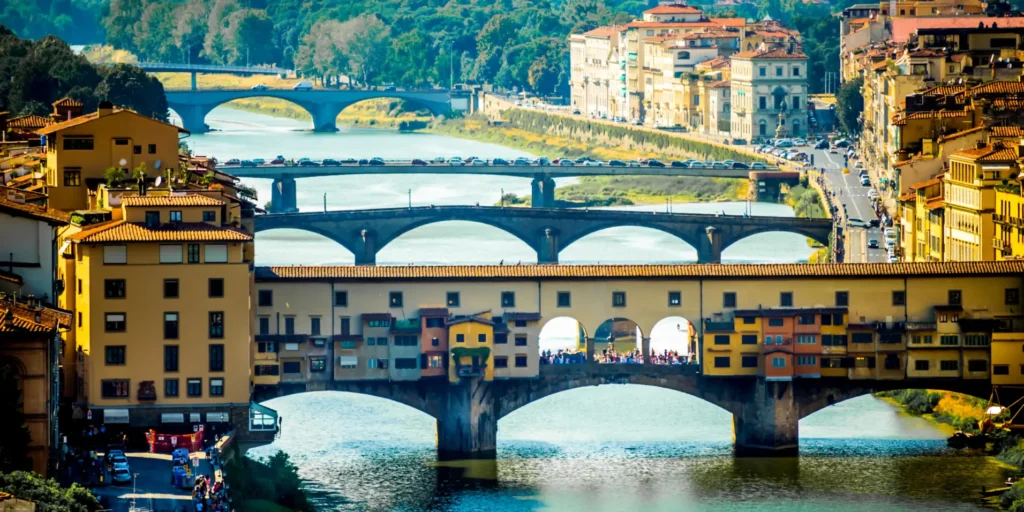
x,y
999,218
282,338
1000,244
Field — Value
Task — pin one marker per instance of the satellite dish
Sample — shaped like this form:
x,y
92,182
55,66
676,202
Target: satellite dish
x,y
159,181
157,164
123,162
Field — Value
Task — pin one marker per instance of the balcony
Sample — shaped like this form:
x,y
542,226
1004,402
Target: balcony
x,y
471,370
719,326
999,218
1000,244
282,338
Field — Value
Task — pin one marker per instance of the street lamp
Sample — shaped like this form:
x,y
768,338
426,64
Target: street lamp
x,y
502,198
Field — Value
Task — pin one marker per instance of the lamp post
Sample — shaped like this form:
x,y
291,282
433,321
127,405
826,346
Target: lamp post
x,y
502,198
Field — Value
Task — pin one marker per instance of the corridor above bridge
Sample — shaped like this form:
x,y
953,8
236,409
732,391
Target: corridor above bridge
x,y
546,230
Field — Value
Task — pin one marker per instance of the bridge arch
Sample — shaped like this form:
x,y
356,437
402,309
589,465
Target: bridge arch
x,y
386,238
817,398
563,333
323,249
567,239
619,334
746,236
673,334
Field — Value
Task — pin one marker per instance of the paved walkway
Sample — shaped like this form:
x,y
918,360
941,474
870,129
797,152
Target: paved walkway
x,y
152,491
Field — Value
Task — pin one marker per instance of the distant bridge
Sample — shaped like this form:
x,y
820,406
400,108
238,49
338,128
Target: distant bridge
x,y
165,67
546,230
323,105
284,190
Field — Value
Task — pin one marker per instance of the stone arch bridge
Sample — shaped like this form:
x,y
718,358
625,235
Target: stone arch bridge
x,y
546,230
323,105
766,414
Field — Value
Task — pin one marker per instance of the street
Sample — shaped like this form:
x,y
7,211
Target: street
x,y
854,198
153,490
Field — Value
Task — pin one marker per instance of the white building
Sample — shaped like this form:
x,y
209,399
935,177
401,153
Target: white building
x,y
28,244
766,82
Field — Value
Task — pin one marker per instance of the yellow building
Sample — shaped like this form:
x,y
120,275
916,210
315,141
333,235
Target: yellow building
x,y
732,346
969,195
160,287
81,149
471,344
922,222
1008,241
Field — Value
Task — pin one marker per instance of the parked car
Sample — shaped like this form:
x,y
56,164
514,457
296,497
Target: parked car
x,y
377,161
758,166
303,86
854,222
233,161
417,161
258,87
783,143
277,161
330,161
677,163
575,112
259,161
565,162
456,162
499,161
654,163
248,163
478,162
873,223
740,142
121,476
616,163
872,244
865,181
799,142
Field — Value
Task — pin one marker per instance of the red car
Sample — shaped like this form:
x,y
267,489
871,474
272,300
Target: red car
x,y
417,161
277,161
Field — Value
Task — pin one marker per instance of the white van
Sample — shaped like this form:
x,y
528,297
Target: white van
x,y
303,86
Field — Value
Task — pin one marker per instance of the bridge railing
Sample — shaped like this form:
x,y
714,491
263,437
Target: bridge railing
x,y
213,67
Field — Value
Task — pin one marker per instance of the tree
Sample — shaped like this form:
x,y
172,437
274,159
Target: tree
x,y
129,86
367,49
47,494
850,105
190,27
48,72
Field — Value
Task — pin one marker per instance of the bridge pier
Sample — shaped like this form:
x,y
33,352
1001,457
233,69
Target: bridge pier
x,y
542,192
325,116
366,248
283,195
467,427
710,250
193,117
768,422
548,248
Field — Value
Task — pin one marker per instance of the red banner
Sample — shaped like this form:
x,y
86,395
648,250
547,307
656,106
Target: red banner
x,y
167,443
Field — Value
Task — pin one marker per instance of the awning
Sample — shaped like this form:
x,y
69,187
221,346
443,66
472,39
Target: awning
x,y
115,415
216,417
172,417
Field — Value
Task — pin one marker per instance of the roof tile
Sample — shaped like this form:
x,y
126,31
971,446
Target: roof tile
x,y
171,200
121,231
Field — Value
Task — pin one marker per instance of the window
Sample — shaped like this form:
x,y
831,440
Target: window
x,y
346,325
949,365
216,324
521,340
269,347
564,299
170,254
949,339
675,299
152,149
216,287
778,362
113,288
170,326
520,323
460,338
796,70
78,143
862,337
482,338
748,361
216,358
500,362
114,355
193,253
341,298
749,339
72,178
749,320
1012,296
136,150
921,365
729,299
209,216
114,388
115,322
289,325
943,319
435,323
452,299
175,216
508,299
170,388
318,364
152,219
807,361
395,299
899,298
1000,369
407,341
521,361
786,299
722,362
721,339
778,71
216,387
267,369
978,365
314,326
170,288
170,358
776,322
378,323
194,387
806,339
842,299
805,319
762,103
954,297
265,298
406,363
215,253
296,367
761,71
115,254
618,299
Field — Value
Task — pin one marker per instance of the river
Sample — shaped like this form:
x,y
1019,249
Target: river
x,y
605,449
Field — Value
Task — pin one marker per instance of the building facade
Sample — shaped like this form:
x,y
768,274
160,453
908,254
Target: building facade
x,y
769,92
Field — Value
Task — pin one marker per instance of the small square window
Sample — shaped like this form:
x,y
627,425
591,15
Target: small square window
x,y
521,340
209,216
115,355
195,387
955,297
170,288
786,299
341,298
460,338
521,361
842,299
170,388
1012,296
618,299
508,299
564,299
452,299
137,150
114,288
152,149
116,322
482,338
175,216
501,362
729,299
395,299
675,299
216,287
899,298
265,298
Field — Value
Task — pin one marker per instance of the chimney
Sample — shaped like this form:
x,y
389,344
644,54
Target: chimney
x,y
30,301
105,108
980,145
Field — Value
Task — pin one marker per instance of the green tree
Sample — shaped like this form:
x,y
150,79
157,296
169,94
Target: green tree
x,y
47,494
129,86
366,49
850,105
190,27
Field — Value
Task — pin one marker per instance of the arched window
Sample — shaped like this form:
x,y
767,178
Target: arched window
x,y
762,127
684,55
796,127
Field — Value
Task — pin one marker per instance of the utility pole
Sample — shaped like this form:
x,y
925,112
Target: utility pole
x,y
451,66
325,202
502,198
410,199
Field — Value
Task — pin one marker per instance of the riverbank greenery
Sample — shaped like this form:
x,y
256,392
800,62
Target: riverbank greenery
x,y
38,73
265,485
962,412
47,494
805,201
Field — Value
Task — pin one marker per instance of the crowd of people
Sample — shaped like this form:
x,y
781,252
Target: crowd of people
x,y
611,356
207,497
562,357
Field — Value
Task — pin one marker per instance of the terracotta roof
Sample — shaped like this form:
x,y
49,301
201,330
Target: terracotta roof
x,y
998,152
715,62
709,271
83,119
925,184
935,202
605,32
999,87
961,133
729,22
10,277
899,119
434,312
121,231
902,27
709,34
1007,104
171,200
908,196
713,22
777,53
464,319
512,316
721,84
777,312
673,9
67,102
1007,131
32,211
29,122
19,317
